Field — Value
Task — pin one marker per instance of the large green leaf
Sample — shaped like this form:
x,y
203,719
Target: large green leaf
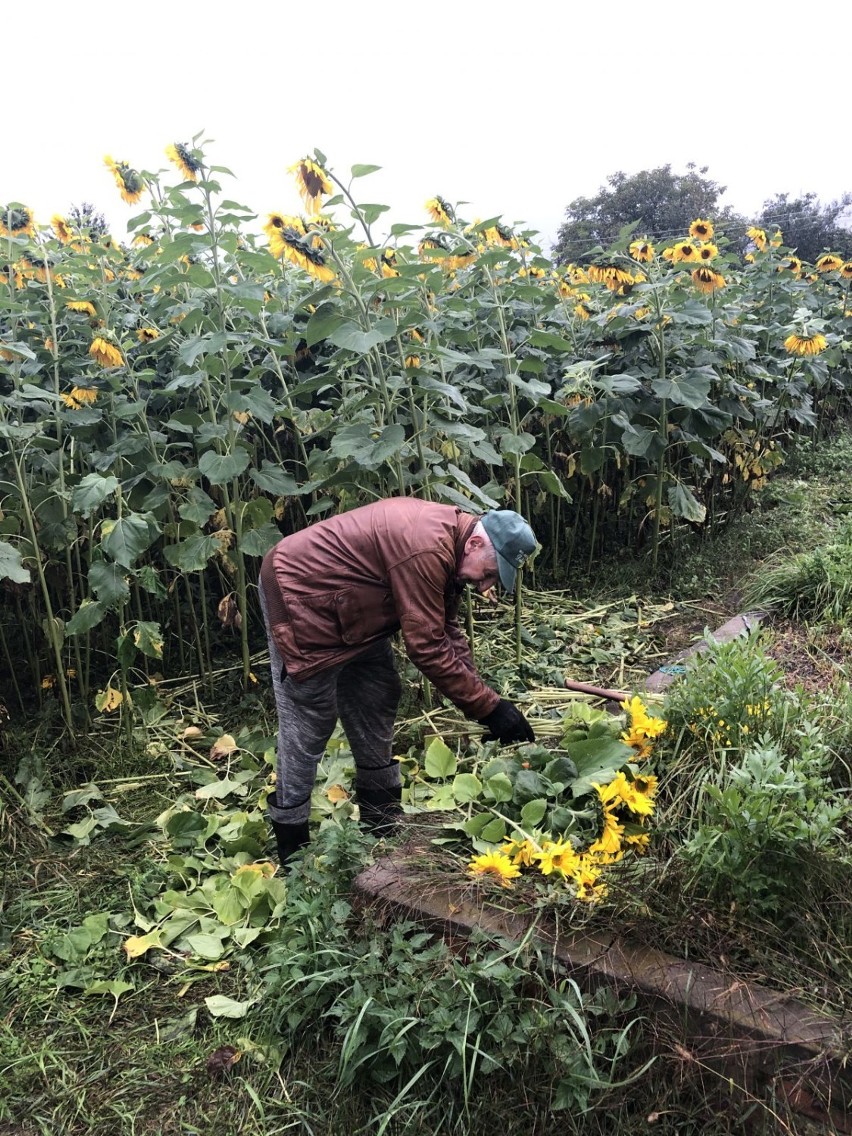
x,y
257,542
220,468
354,338
367,446
91,492
439,760
690,389
109,582
126,539
274,479
684,504
11,564
192,554
88,615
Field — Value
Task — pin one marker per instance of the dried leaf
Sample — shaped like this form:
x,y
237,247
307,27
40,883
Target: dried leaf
x,y
137,945
228,611
223,747
222,1060
336,794
192,732
109,699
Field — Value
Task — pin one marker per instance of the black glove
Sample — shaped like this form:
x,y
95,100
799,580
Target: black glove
x,y
507,724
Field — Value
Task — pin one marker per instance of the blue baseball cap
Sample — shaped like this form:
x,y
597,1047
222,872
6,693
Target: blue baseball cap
x,y
513,541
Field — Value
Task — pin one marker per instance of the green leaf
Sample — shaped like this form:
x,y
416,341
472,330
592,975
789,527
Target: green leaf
x,y
219,789
109,583
11,564
494,831
552,483
548,339
359,171
219,468
353,338
208,947
532,814
528,786
369,447
257,542
148,638
466,787
88,615
500,787
192,554
440,761
219,1006
229,906
684,504
273,479
690,389
199,507
126,539
115,987
91,492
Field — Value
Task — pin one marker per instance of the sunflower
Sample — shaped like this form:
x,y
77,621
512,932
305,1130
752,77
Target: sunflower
x,y
611,275
846,270
440,211
105,353
642,251
777,239
828,263
792,264
701,230
127,179
576,274
389,268
499,235
78,397
412,360
496,866
757,237
684,251
313,182
147,334
61,228
289,239
805,344
609,840
706,280
181,155
521,852
82,306
582,310
556,856
638,841
708,252
642,790
16,221
142,240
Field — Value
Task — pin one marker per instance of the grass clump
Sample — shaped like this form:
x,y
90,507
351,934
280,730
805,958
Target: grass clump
x,y
814,586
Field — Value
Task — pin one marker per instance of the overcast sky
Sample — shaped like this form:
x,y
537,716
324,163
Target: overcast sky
x,y
514,108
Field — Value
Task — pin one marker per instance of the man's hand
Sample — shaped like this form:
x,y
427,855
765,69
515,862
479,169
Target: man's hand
x,y
507,724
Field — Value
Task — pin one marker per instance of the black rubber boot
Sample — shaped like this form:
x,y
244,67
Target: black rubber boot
x,y
380,809
290,838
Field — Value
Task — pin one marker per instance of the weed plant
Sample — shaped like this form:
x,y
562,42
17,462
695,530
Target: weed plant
x,y
814,586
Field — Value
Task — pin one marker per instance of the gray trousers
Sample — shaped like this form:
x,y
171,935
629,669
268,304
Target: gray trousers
x,y
364,693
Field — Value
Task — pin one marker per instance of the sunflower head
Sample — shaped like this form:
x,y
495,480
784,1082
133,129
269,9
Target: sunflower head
x,y
440,211
683,252
642,251
16,221
105,352
707,252
757,237
184,158
846,270
495,866
128,180
829,263
313,183
803,345
701,230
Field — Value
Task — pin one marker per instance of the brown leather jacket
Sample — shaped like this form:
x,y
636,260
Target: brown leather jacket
x,y
344,583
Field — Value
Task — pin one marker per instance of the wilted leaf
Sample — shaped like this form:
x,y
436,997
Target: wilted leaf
x,y
137,945
108,700
222,1007
336,794
223,747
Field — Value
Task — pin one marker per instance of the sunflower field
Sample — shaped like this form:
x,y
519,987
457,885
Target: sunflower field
x,y
173,405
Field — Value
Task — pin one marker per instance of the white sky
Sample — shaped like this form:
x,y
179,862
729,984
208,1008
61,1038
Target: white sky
x,y
515,108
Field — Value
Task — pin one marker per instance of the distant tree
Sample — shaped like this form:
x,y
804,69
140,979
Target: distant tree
x,y
663,204
808,226
88,222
